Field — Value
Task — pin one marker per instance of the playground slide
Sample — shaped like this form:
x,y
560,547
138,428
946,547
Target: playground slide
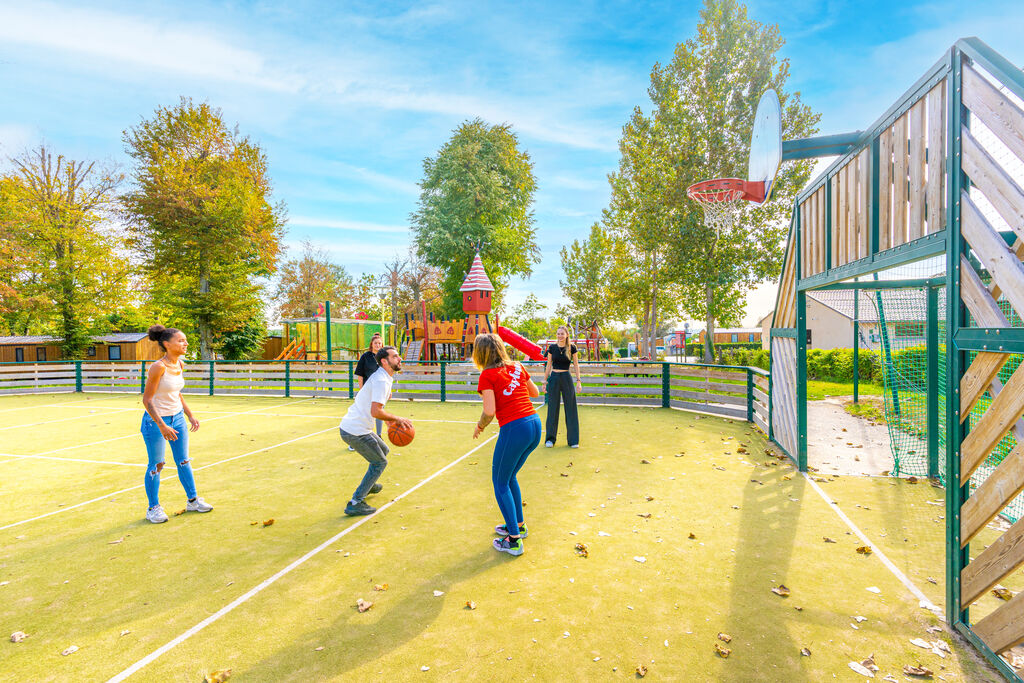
x,y
520,343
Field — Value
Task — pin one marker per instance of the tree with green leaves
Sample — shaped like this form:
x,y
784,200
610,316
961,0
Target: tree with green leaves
x,y
477,190
69,262
528,319
308,280
588,268
202,218
704,103
244,342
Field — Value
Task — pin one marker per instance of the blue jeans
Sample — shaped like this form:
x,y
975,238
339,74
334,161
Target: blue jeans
x,y
516,440
155,442
375,451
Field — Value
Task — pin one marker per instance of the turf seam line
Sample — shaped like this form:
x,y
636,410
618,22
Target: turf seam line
x,y
135,434
53,457
252,592
908,584
65,419
163,479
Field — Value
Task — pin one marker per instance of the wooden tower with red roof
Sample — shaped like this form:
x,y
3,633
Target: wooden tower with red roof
x,y
476,301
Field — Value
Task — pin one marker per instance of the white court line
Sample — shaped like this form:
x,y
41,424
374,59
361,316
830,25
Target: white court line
x,y
135,434
266,583
170,476
928,604
98,462
65,419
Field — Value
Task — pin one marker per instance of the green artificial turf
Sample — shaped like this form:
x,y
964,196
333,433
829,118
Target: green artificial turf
x,y
100,577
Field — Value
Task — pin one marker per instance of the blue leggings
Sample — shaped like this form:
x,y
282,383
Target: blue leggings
x,y
516,440
155,442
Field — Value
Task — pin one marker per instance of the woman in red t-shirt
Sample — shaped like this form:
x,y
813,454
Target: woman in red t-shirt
x,y
506,389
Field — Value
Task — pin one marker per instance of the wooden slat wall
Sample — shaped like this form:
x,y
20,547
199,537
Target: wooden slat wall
x,y
784,425
935,184
1004,627
812,226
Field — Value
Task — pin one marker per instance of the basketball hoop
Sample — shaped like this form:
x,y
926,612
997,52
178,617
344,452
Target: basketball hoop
x,y
720,198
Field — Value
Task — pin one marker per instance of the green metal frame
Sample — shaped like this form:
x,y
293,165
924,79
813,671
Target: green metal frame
x,y
959,340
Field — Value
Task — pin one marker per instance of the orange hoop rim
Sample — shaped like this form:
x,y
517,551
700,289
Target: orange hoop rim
x,y
726,190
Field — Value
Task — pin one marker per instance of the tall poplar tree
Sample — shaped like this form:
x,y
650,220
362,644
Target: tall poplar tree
x,y
202,217
477,190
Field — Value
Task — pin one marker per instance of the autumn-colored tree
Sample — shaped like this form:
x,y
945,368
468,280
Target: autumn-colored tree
x,y
201,217
478,190
310,279
62,260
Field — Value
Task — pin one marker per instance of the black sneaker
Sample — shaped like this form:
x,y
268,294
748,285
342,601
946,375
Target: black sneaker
x,y
376,488
360,508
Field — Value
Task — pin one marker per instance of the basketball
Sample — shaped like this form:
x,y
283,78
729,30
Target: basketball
x,y
401,436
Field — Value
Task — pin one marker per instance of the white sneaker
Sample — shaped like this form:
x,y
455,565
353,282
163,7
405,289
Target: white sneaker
x,y
575,445
156,515
197,505
350,448
549,444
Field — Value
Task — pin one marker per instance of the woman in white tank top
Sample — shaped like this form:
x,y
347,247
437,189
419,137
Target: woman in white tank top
x,y
164,422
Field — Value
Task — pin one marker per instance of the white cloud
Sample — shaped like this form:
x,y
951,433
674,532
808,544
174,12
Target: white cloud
x,y
342,224
193,50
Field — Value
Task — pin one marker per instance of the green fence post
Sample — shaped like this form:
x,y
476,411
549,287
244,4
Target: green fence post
x,y
665,392
750,395
287,379
444,391
351,381
142,378
932,394
856,339
212,371
78,376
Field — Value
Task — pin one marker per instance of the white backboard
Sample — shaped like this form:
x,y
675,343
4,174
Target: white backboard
x,y
766,142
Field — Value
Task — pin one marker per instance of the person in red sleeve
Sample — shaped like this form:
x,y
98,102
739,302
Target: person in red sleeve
x,y
506,389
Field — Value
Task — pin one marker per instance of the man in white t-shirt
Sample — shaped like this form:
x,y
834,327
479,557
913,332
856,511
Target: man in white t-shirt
x,y
357,427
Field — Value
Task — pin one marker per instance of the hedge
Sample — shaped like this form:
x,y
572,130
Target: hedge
x,y
833,365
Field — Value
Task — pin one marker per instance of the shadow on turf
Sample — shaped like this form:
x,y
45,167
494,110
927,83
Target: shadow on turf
x,y
354,639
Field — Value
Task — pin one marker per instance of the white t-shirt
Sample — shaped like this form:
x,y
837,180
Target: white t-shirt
x,y
358,420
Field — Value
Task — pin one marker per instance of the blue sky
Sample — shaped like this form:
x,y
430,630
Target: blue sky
x,y
347,99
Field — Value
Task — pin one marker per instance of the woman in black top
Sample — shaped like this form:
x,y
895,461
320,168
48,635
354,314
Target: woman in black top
x,y
560,387
366,366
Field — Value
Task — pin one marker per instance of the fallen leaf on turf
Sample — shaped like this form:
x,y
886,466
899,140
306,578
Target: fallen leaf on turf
x,y
641,671
121,540
917,671
1002,593
934,629
911,480
363,605
470,604
253,523
18,636
781,590
859,668
798,608
380,587
581,550
268,522
562,474
805,652
786,477
891,679
692,535
869,663
70,650
860,619
217,676
182,511
920,642
438,594
645,462
722,651
649,498
827,539
865,550
725,637
645,515
424,668
125,632
873,589
941,645
639,558
318,649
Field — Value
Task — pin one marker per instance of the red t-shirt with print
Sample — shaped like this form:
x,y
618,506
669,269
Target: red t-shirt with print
x,y
511,398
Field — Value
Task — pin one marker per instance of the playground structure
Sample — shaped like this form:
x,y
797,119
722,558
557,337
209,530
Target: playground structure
x,y
930,200
323,339
438,338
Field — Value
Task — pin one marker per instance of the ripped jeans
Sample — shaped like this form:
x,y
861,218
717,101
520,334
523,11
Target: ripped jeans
x,y
179,451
